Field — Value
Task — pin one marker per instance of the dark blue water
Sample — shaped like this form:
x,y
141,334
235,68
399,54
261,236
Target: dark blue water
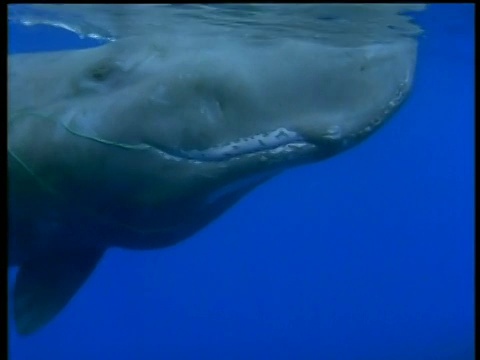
x,y
368,255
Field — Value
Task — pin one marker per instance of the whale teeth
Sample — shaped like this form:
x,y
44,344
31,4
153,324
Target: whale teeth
x,y
280,141
244,146
334,132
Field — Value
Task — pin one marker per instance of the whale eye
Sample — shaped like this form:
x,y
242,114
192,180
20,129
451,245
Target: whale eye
x,y
100,77
101,73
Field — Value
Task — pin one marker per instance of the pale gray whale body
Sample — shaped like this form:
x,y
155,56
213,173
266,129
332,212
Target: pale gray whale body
x,y
142,142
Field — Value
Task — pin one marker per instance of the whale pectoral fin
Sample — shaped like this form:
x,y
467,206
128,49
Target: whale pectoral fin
x,y
44,286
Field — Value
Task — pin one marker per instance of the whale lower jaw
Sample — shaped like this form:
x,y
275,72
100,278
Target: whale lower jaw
x,y
274,143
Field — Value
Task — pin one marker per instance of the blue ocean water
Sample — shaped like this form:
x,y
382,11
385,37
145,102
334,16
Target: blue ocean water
x,y
368,255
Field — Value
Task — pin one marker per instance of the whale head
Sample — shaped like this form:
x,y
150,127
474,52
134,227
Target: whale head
x,y
146,121
142,142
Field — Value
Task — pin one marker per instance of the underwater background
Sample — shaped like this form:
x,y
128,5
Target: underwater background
x,y
367,255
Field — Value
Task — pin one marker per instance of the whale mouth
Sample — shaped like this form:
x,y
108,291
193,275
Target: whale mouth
x,y
278,141
273,143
